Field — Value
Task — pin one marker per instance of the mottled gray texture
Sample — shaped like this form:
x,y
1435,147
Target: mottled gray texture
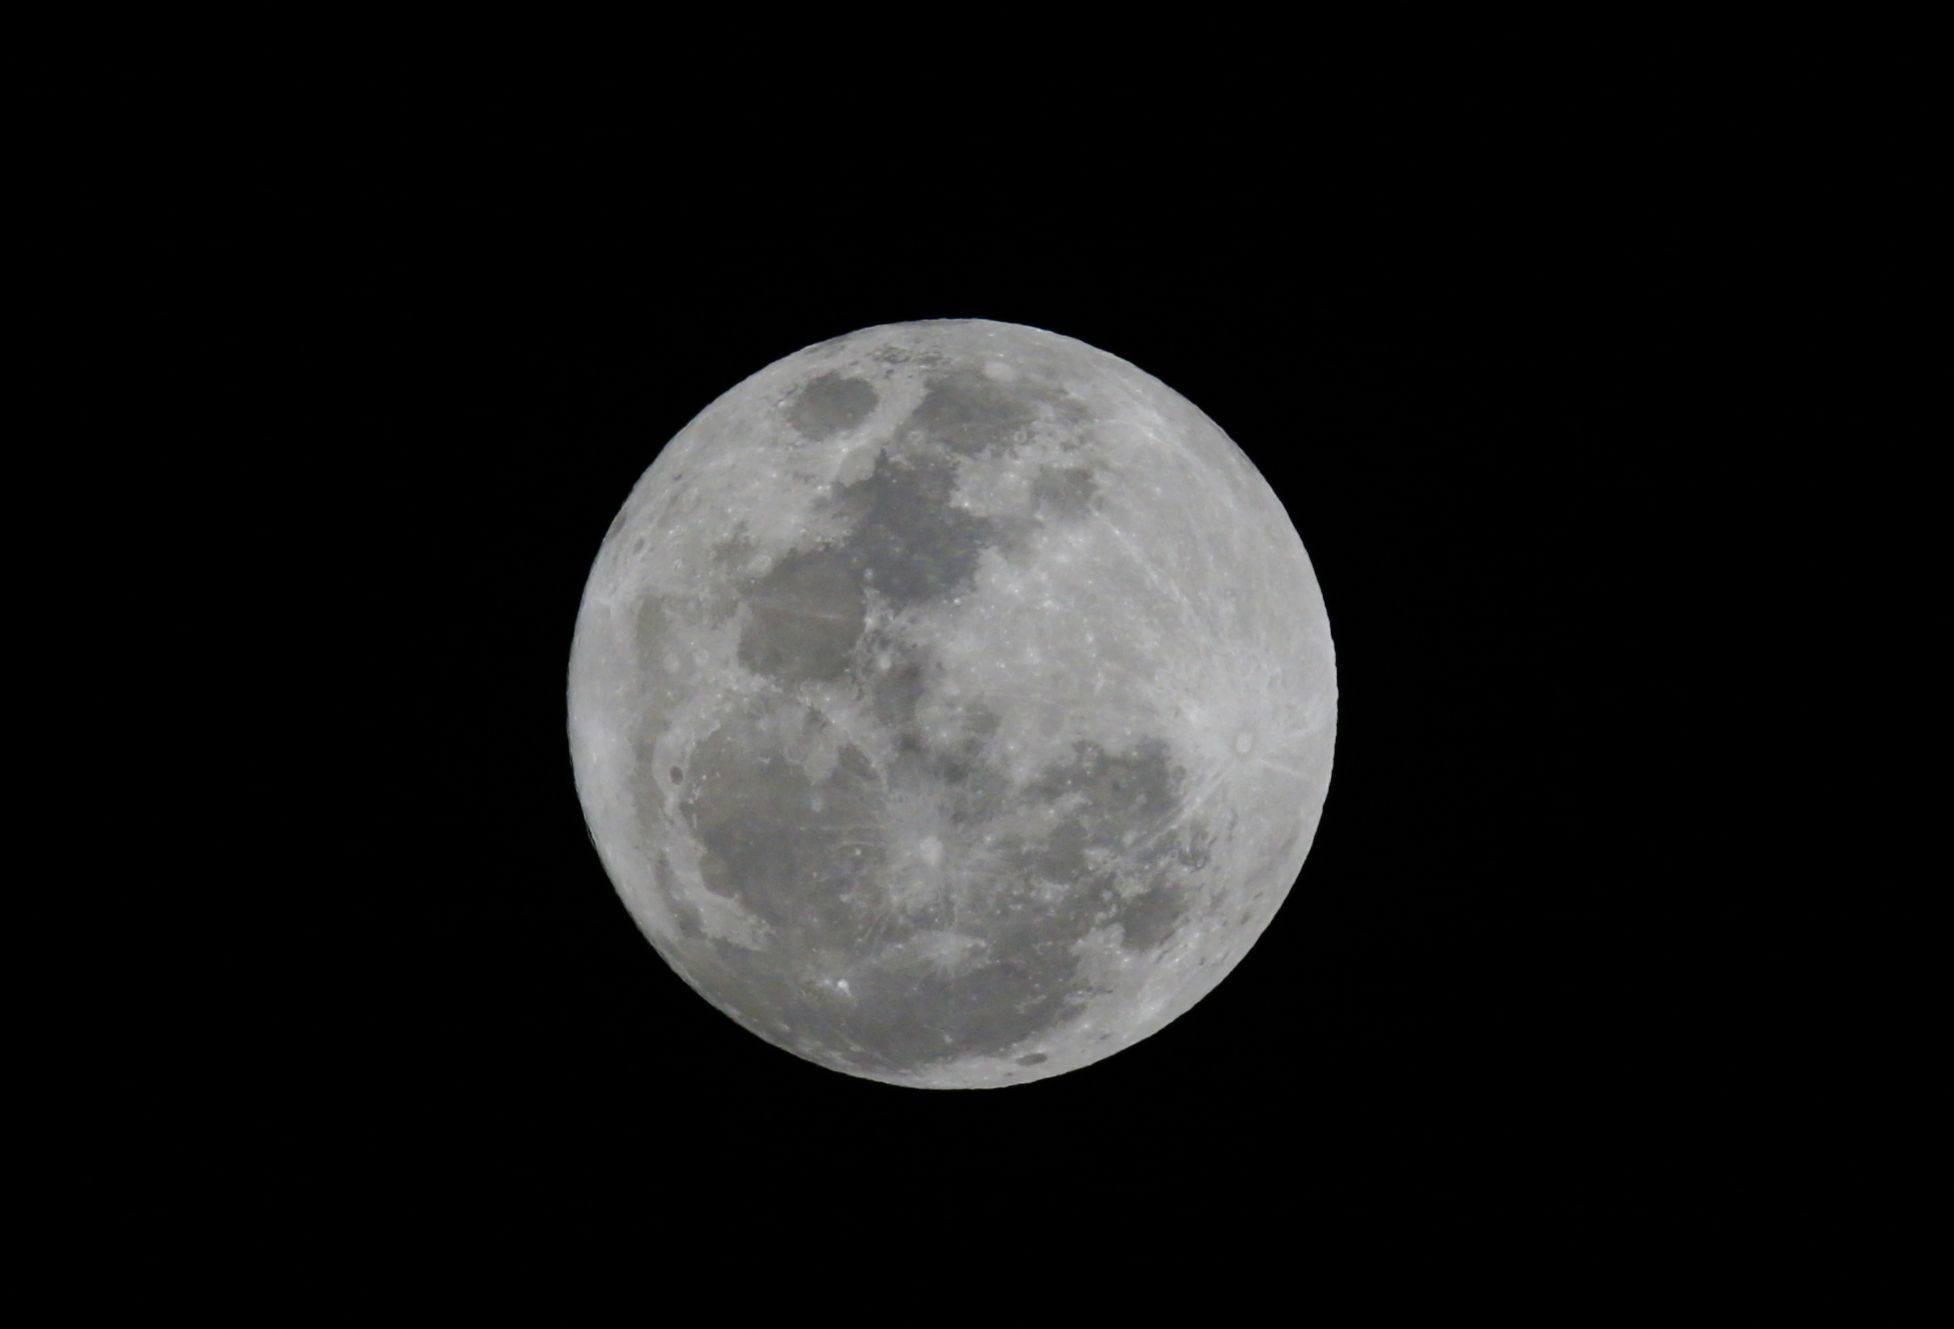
x,y
952,704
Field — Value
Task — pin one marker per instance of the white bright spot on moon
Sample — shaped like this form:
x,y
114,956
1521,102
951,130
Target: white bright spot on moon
x,y
920,675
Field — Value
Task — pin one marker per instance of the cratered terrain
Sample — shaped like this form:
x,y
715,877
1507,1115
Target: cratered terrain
x,y
952,704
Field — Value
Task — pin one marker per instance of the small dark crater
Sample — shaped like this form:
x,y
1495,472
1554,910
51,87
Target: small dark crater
x,y
1034,1059
678,776
831,404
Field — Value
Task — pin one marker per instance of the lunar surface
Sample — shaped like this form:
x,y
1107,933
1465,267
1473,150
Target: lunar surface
x,y
952,704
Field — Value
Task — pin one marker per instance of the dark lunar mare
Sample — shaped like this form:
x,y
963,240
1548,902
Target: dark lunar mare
x,y
970,413
807,614
831,404
906,541
808,873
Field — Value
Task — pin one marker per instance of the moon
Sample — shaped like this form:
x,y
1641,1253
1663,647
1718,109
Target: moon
x,y
952,704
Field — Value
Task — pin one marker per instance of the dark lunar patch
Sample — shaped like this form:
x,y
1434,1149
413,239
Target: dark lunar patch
x,y
807,872
770,843
678,776
969,413
1034,1059
1063,491
831,404
1150,918
808,613
1060,856
1112,805
905,540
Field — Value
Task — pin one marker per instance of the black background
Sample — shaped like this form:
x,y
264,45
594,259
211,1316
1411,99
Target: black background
x,y
1522,358
543,307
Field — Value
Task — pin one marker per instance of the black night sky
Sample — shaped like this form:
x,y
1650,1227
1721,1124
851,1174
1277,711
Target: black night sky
x,y
545,315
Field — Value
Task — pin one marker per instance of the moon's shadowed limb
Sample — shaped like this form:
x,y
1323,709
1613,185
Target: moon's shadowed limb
x,y
952,704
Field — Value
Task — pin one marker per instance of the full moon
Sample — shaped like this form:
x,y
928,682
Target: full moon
x,y
952,704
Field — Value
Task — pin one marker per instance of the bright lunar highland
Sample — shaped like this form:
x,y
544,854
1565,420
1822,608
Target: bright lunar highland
x,y
952,704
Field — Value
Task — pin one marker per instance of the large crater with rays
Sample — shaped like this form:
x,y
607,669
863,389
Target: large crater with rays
x,y
952,704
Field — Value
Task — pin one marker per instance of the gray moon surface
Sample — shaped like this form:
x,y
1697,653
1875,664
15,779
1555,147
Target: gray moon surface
x,y
952,704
